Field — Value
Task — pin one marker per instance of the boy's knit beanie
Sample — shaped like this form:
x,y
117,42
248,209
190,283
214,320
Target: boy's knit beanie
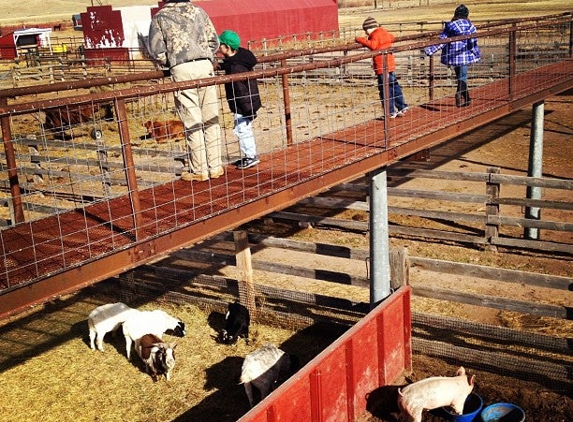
x,y
369,23
230,38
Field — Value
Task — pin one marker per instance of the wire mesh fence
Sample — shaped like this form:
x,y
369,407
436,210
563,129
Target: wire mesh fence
x,y
104,161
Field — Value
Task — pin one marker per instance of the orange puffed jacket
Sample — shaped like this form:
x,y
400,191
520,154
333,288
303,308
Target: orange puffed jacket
x,y
379,39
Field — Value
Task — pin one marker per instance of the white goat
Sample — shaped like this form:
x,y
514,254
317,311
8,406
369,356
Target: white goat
x,y
149,322
262,368
158,356
106,318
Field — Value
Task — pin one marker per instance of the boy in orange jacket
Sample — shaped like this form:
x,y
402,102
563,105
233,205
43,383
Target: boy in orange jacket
x,y
380,39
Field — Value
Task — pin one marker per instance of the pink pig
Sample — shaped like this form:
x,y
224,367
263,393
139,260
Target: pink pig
x,y
434,392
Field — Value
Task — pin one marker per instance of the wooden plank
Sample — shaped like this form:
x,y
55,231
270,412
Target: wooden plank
x,y
491,273
438,215
438,175
273,267
315,274
334,202
338,203
323,221
439,196
554,311
534,244
311,247
527,222
436,234
148,165
525,202
532,181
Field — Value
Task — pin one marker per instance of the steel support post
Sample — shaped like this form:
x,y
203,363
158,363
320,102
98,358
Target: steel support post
x,y
535,168
379,238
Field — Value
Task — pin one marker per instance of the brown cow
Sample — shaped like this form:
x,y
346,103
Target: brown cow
x,y
60,120
165,130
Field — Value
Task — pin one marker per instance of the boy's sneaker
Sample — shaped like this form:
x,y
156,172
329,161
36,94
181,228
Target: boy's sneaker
x,y
248,162
403,111
238,162
394,115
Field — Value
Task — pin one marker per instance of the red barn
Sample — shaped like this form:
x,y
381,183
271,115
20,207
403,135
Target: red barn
x,y
121,33
254,20
24,41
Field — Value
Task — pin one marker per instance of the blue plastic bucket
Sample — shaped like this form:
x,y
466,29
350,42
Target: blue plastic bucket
x,y
502,412
472,407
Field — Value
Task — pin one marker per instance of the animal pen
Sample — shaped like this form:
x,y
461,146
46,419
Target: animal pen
x,y
90,195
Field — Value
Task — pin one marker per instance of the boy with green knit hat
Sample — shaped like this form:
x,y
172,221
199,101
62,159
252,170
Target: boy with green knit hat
x,y
242,96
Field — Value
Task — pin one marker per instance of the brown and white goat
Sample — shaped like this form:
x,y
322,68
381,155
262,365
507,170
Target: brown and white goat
x,y
158,356
154,322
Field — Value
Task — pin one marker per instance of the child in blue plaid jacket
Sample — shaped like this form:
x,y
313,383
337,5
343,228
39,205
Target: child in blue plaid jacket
x,y
459,54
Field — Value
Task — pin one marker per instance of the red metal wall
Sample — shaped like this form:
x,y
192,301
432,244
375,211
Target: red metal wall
x,y
7,47
254,20
334,386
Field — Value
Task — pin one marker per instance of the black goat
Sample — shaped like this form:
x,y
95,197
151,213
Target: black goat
x,y
237,323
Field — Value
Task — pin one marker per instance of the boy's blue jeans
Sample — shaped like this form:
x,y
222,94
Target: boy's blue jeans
x,y
396,99
461,73
244,131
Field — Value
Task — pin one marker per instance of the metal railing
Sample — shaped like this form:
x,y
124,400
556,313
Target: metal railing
x,y
94,151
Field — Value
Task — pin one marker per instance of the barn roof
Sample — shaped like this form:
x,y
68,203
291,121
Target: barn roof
x,y
32,31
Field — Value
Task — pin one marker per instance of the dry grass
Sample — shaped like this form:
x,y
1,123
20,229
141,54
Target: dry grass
x,y
50,374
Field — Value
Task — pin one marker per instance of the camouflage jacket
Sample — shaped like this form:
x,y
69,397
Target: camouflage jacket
x,y
181,32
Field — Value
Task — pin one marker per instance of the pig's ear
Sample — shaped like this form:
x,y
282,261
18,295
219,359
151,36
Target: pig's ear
x,y
461,371
472,380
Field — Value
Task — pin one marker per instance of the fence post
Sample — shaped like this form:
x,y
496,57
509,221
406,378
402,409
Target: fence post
x,y
535,166
35,158
129,167
431,78
245,271
103,166
127,287
399,268
491,209
286,100
12,166
380,287
511,58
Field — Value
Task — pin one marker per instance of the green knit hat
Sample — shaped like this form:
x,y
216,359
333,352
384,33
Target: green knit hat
x,y
230,38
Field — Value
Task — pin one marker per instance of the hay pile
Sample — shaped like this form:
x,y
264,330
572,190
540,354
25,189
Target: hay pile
x,y
50,374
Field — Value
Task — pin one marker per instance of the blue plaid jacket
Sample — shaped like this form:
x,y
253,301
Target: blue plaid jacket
x,y
457,53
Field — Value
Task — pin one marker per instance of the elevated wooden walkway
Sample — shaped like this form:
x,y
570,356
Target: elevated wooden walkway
x,y
64,252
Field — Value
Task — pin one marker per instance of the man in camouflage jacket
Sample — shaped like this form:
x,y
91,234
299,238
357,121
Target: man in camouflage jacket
x,y
183,38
